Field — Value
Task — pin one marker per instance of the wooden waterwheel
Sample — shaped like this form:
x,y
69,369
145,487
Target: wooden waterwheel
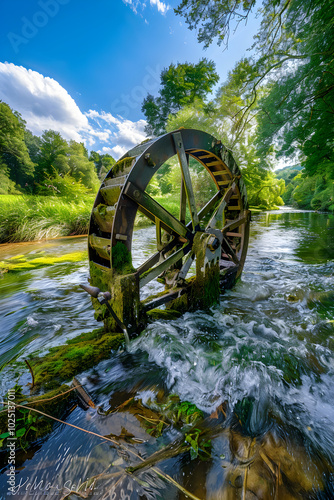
x,y
196,252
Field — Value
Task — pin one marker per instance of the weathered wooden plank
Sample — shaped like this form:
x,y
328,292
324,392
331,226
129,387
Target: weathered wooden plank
x,y
214,164
205,156
233,224
163,299
111,194
115,181
100,245
104,216
224,183
221,172
234,235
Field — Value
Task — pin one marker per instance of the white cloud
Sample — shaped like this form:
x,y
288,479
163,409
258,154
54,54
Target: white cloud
x,y
161,6
135,4
44,104
126,134
108,117
116,152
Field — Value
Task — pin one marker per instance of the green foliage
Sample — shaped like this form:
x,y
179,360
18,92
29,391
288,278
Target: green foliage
x,y
15,161
103,163
212,19
30,162
198,444
181,85
297,110
62,185
175,411
239,135
30,425
311,192
52,155
7,186
294,57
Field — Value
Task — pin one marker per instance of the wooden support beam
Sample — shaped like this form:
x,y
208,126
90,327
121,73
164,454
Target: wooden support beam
x,y
235,223
186,177
163,266
163,299
157,211
218,215
231,253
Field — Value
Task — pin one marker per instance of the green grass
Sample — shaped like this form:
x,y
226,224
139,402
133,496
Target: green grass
x,y
29,218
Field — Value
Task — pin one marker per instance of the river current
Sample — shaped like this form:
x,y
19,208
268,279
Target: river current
x,y
266,347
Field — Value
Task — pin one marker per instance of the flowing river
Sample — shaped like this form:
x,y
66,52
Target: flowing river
x,y
263,355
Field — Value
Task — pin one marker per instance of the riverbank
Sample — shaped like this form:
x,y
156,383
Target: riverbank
x,y
34,218
30,218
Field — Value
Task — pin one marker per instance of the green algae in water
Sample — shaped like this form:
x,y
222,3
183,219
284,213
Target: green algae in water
x,y
63,362
29,262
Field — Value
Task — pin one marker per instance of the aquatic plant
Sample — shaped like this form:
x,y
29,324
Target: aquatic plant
x,y
29,262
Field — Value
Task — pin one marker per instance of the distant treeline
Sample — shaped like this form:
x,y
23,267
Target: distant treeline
x,y
311,192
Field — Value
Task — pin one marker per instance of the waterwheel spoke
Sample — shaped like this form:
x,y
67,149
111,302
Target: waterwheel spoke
x,y
186,178
186,266
163,266
211,204
218,215
229,251
158,256
183,202
156,211
236,223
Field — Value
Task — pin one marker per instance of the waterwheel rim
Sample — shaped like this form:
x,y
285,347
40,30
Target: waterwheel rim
x,y
123,193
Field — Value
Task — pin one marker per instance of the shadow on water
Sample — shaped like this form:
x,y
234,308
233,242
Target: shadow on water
x,y
258,365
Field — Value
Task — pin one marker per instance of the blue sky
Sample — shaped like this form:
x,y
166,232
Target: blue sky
x,y
83,68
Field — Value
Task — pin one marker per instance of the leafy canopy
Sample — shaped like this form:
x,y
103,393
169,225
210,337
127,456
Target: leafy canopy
x,y
181,85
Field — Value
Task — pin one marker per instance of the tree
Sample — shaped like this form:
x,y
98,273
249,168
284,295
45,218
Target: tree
x,y
103,163
294,57
80,168
14,155
298,111
52,156
214,19
34,145
181,85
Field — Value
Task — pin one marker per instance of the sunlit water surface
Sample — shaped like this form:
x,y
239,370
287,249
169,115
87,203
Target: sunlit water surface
x,y
269,341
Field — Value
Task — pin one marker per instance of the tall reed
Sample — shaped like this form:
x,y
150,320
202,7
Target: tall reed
x,y
28,218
